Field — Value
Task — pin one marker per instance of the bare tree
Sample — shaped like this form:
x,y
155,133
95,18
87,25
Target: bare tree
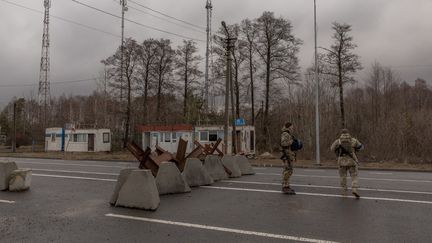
x,y
249,33
163,70
187,69
278,49
344,63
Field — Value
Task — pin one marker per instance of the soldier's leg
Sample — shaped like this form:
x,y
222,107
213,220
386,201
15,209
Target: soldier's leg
x,y
343,179
286,174
354,180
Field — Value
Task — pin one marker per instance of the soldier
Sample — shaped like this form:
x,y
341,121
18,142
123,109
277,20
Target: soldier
x,y
288,157
345,148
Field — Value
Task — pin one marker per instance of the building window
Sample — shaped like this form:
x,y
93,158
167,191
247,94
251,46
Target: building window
x,y
53,137
174,137
204,136
221,134
213,136
79,138
106,137
167,137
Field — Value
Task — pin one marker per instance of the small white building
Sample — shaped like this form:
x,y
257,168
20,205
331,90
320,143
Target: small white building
x,y
77,140
167,137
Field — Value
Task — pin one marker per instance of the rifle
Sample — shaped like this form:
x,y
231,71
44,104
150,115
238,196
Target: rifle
x,y
342,151
285,157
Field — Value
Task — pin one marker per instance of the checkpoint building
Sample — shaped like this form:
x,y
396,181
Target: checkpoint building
x,y
167,136
77,140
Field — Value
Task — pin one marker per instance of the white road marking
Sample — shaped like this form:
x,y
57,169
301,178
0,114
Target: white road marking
x,y
82,165
320,194
77,172
75,177
380,173
7,201
330,187
222,229
361,178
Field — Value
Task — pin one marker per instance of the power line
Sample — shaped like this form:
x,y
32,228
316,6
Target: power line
x,y
52,83
134,22
62,19
168,16
172,22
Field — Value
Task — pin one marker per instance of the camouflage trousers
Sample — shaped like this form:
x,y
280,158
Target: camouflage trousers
x,y
343,171
286,174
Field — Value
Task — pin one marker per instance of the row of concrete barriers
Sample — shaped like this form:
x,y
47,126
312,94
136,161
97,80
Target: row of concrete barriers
x,y
138,188
12,178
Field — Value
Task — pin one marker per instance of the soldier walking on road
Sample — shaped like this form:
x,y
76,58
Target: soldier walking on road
x,y
345,148
288,157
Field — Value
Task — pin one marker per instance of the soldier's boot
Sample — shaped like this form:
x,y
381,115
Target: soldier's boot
x,y
288,190
355,193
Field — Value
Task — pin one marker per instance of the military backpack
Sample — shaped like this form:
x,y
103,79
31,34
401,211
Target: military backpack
x,y
345,146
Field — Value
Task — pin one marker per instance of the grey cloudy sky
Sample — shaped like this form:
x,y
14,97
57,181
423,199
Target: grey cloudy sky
x,y
396,33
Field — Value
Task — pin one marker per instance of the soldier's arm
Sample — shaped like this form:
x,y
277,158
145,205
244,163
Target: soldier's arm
x,y
333,147
286,139
357,145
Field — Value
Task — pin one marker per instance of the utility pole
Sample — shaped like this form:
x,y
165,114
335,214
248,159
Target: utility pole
x,y
14,128
123,4
44,82
209,8
228,86
317,116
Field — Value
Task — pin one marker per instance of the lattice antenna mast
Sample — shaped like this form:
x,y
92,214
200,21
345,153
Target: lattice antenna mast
x,y
209,8
44,95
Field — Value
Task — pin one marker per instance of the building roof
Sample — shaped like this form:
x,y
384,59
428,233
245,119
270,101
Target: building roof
x,y
158,128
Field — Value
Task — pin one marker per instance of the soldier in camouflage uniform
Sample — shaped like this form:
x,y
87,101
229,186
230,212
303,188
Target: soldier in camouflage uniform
x,y
345,148
288,157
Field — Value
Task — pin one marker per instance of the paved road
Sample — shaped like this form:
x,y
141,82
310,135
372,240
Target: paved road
x,y
68,202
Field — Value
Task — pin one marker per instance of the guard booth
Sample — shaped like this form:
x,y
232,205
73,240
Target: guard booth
x,y
166,136
245,137
77,140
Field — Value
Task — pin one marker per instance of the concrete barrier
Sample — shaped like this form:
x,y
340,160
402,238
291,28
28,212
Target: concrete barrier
x,y
6,169
169,180
244,165
195,174
230,162
121,179
20,180
139,191
214,167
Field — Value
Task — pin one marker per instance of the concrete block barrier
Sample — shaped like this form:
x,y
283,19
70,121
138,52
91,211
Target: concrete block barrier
x,y
214,167
20,180
195,174
139,191
169,180
6,169
244,165
230,162
121,179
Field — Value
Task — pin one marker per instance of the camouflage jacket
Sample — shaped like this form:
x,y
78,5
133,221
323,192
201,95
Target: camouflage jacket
x,y
347,160
286,141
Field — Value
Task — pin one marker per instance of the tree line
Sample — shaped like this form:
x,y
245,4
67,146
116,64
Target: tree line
x,y
163,84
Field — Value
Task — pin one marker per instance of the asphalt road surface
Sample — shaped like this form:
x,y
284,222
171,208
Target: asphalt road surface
x,y
68,202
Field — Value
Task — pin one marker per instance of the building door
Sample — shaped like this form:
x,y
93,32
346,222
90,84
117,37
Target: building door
x,y
91,142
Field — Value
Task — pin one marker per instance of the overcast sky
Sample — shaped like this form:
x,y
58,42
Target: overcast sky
x,y
396,33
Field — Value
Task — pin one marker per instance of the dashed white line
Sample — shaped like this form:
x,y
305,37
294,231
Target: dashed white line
x,y
361,178
77,172
7,201
221,229
64,164
329,187
75,177
320,194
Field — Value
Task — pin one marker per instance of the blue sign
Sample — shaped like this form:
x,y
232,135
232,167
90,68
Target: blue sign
x,y
240,122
